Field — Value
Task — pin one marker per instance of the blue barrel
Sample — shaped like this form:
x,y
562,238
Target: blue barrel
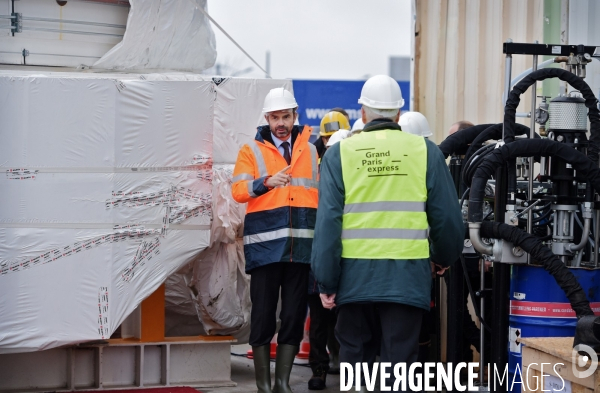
x,y
539,308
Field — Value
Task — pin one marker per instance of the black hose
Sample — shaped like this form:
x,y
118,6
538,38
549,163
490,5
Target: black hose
x,y
470,166
578,83
539,208
495,132
478,153
458,142
532,245
526,148
537,219
462,200
543,216
469,172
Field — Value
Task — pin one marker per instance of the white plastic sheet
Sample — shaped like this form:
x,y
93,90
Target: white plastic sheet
x,y
216,282
95,164
238,111
222,286
164,35
106,191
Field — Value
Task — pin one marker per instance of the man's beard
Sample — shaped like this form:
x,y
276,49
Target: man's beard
x,y
281,132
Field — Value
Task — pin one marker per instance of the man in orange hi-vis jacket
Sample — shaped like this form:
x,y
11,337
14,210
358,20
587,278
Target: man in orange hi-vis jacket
x,y
277,176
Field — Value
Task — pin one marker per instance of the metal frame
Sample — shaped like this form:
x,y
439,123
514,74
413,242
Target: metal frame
x,y
17,18
121,363
513,48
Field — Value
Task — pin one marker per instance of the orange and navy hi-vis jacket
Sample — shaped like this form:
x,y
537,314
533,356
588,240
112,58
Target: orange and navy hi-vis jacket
x,y
280,222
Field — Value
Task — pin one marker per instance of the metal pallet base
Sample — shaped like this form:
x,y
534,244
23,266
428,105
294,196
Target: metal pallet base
x,y
121,363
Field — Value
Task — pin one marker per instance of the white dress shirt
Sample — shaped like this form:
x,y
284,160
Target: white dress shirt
x,y
278,143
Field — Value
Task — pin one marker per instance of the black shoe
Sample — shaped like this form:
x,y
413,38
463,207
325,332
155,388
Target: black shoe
x,y
317,382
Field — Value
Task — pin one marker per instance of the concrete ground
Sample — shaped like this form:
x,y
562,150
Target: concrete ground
x,y
242,372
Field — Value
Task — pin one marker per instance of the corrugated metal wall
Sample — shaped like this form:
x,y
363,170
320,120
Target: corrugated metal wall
x,y
459,64
585,29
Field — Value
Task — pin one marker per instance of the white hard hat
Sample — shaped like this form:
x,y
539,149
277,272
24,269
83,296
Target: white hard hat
x,y
381,92
337,136
279,99
357,126
415,123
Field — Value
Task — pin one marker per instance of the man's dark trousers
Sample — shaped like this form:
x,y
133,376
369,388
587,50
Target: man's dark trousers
x,y
320,319
362,327
265,284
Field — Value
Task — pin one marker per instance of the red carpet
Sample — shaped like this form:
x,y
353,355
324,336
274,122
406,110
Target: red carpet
x,y
184,389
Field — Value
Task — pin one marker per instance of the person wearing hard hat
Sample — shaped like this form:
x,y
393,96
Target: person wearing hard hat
x,y
276,174
338,136
415,123
357,127
342,111
330,123
379,193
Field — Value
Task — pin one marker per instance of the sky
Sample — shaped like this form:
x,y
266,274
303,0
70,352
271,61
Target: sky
x,y
312,39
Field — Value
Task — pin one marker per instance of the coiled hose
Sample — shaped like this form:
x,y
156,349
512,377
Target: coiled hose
x,y
525,148
534,246
591,102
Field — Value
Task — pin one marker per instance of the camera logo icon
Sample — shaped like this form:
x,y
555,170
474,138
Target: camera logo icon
x,y
578,360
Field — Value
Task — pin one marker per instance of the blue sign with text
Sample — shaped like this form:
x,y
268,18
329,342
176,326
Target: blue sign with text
x,y
316,97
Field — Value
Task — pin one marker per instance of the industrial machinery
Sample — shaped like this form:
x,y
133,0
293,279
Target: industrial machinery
x,y
532,207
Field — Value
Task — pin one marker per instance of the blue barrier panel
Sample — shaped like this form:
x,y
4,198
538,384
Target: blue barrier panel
x,y
316,97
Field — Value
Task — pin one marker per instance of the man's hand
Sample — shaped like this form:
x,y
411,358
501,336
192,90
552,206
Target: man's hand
x,y
328,300
437,269
279,179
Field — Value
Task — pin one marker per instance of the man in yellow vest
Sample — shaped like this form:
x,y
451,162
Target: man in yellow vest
x,y
386,205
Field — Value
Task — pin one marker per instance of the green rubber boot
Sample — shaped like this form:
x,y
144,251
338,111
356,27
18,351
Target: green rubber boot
x,y
262,368
283,367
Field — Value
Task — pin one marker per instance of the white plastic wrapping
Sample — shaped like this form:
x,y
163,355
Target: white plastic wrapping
x,y
215,283
222,286
238,111
106,191
49,43
164,35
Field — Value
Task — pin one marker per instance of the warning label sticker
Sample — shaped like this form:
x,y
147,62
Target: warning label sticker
x,y
513,335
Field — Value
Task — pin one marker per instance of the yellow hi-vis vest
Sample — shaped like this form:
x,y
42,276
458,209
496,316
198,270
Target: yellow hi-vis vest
x,y
384,175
